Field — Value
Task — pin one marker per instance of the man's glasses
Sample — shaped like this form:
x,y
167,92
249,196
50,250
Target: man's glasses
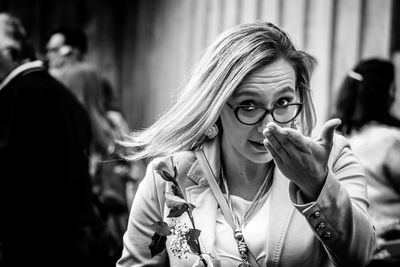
x,y
250,115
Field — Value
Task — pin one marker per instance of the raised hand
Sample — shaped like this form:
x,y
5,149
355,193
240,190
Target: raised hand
x,y
301,159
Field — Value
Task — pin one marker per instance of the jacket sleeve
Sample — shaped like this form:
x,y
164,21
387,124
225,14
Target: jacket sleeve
x,y
339,218
147,208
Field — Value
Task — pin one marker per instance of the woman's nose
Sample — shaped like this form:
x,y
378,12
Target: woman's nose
x,y
262,124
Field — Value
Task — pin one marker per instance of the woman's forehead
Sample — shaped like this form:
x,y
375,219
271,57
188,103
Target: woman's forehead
x,y
279,74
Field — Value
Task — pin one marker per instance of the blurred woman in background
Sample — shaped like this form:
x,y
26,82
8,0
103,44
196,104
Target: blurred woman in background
x,y
110,173
364,103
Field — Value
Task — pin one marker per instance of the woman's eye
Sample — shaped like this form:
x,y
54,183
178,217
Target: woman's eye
x,y
249,108
282,101
248,103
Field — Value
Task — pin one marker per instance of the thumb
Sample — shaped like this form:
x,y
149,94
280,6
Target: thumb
x,y
328,131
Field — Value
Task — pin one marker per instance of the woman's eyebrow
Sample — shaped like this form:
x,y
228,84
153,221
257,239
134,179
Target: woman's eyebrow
x,y
286,90
246,92
254,92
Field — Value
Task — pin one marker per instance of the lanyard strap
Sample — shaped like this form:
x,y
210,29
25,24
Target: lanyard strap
x,y
226,210
254,203
212,181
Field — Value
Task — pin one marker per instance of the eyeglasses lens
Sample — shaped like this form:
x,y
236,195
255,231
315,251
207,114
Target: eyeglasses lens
x,y
252,115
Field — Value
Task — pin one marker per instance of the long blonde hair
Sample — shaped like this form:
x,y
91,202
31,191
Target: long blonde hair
x,y
223,66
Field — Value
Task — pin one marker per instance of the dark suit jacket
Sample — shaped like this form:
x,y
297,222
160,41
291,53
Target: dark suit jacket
x,y
45,187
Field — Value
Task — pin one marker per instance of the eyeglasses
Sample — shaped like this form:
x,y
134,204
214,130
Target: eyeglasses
x,y
250,115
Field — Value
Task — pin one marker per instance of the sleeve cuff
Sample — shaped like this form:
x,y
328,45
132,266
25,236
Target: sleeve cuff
x,y
296,197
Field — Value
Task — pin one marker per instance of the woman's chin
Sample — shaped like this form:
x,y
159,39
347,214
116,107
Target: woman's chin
x,y
261,153
262,157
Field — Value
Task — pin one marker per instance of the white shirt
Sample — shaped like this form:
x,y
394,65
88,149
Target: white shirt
x,y
254,232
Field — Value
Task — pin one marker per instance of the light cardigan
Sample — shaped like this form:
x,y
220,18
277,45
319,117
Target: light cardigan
x,y
335,230
380,159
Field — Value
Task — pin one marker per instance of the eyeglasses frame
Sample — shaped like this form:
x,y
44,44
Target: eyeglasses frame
x,y
236,108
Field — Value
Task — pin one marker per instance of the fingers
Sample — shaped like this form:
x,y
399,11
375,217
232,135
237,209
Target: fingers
x,y
288,138
296,139
273,153
276,139
328,131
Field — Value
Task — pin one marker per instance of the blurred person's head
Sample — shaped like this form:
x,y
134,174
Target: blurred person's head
x,y
366,95
15,46
86,84
65,45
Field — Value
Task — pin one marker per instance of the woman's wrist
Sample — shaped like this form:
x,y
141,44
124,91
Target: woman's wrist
x,y
311,193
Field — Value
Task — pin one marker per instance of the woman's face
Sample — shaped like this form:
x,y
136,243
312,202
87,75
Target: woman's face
x,y
269,86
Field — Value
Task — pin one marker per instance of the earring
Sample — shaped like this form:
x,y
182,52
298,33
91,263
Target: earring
x,y
212,131
293,125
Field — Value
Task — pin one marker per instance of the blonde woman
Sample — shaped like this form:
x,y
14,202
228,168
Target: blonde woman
x,y
235,178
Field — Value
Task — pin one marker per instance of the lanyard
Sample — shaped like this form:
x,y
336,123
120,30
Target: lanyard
x,y
254,203
230,216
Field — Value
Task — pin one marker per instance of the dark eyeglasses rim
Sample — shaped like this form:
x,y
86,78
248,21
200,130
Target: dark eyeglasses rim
x,y
237,107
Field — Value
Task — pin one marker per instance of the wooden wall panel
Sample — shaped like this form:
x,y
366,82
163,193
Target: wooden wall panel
x,y
214,20
319,44
184,39
395,51
396,105
376,27
248,10
198,33
165,57
293,20
230,13
107,46
147,47
134,64
347,33
269,11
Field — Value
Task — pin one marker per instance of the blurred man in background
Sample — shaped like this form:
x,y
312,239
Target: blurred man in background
x,y
46,207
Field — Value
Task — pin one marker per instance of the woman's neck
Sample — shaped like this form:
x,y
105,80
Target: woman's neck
x,y
244,177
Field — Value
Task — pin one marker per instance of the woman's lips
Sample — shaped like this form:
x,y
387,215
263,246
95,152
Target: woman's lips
x,y
258,145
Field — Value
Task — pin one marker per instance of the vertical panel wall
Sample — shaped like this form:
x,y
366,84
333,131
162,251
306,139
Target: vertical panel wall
x,y
318,42
270,11
147,47
293,20
376,28
395,52
347,34
337,33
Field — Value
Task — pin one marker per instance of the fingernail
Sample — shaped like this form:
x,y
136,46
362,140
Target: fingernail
x,y
284,132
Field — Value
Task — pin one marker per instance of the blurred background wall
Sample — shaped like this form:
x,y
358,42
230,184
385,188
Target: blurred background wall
x,y
147,47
